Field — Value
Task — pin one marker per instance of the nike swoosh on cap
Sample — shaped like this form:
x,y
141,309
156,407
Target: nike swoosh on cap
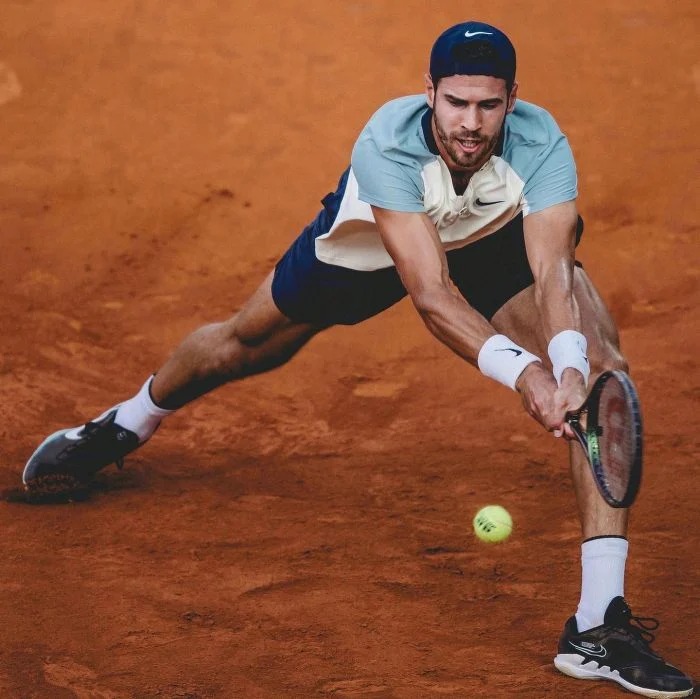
x,y
469,34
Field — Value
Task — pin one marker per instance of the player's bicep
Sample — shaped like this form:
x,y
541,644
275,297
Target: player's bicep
x,y
414,245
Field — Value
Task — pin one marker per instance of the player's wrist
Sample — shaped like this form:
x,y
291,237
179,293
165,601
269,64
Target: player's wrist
x,y
530,375
571,377
567,350
503,360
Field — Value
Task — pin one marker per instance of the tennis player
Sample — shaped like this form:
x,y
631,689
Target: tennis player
x,y
464,199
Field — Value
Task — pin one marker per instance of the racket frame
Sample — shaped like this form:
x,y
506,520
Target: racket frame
x,y
588,436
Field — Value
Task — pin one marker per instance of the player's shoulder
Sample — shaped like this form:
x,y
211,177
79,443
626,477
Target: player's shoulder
x,y
529,124
532,138
395,129
537,150
390,154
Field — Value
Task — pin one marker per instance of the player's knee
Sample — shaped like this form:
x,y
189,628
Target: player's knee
x,y
218,350
243,353
235,350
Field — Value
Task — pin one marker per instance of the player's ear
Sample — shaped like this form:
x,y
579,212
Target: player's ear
x,y
512,97
429,90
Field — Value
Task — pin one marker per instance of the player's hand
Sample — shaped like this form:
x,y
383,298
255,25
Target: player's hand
x,y
537,388
569,396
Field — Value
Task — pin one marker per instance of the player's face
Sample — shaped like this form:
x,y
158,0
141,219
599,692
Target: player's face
x,y
468,114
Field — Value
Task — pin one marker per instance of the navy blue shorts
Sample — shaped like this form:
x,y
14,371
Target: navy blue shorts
x,y
487,273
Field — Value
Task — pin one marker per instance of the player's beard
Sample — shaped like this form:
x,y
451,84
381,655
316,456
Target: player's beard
x,y
469,161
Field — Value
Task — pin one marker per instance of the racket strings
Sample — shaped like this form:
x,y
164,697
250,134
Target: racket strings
x,y
616,438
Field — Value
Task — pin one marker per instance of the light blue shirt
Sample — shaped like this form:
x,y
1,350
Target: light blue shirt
x,y
396,166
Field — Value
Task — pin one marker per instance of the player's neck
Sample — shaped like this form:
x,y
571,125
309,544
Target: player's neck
x,y
460,180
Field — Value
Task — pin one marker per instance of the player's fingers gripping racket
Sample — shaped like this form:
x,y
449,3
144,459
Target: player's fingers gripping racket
x,y
609,427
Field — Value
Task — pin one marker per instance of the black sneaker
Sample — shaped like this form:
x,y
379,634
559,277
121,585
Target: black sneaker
x,y
621,652
69,458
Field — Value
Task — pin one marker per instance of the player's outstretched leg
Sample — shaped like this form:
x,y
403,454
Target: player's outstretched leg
x,y
603,640
256,339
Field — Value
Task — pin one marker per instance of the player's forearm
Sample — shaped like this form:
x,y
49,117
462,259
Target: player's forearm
x,y
452,321
550,237
561,324
556,304
467,333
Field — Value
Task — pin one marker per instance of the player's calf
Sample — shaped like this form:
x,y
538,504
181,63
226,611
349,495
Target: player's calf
x,y
606,357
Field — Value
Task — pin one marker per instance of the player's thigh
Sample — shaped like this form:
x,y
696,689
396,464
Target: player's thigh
x,y
520,320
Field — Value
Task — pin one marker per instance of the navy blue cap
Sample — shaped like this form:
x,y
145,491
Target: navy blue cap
x,y
473,48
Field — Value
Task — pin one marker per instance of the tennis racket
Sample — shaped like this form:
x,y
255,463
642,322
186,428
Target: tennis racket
x,y
609,427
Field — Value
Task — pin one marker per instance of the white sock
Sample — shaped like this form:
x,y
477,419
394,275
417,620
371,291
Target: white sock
x,y
140,414
603,578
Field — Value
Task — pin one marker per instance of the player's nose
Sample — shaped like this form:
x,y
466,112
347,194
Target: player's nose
x,y
471,119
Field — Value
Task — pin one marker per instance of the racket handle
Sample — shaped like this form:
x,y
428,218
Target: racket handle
x,y
573,418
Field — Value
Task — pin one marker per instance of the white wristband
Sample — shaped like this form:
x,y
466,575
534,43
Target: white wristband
x,y
567,349
501,359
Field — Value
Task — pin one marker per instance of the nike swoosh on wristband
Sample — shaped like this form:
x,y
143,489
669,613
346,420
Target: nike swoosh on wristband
x,y
597,651
469,34
511,349
478,202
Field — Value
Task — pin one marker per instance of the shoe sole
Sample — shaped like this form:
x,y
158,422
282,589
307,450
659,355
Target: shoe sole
x,y
581,668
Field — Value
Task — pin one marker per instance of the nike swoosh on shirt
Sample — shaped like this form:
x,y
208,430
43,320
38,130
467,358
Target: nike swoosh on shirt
x,y
478,202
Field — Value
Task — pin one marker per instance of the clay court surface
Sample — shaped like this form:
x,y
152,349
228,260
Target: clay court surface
x,y
308,533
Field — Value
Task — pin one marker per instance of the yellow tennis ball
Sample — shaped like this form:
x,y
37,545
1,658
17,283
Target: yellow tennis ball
x,y
493,523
